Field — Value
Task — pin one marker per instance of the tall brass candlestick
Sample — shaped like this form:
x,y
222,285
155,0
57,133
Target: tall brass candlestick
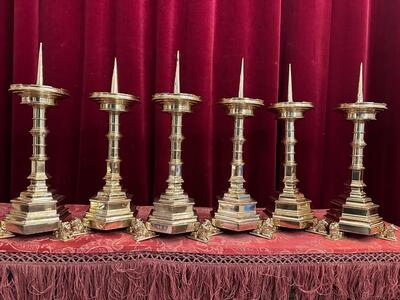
x,y
354,210
37,209
110,208
292,209
173,213
237,210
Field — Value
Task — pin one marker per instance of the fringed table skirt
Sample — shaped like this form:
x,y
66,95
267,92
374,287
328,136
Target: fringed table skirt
x,y
112,265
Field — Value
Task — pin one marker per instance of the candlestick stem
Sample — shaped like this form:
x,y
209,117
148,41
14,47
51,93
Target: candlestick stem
x,y
38,159
236,180
290,179
175,179
113,177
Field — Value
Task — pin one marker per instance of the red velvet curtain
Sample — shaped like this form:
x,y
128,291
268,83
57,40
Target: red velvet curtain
x,y
324,40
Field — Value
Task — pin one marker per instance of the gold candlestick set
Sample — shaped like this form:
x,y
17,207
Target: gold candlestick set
x,y
110,208
173,213
38,210
237,210
355,211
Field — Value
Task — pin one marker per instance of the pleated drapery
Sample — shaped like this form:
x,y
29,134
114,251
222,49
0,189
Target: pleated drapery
x,y
325,41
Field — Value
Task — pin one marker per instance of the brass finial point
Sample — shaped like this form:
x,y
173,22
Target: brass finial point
x,y
360,95
241,80
39,73
114,81
177,82
290,90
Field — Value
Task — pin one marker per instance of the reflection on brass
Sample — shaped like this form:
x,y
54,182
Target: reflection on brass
x,y
69,230
204,231
140,230
265,229
110,208
37,209
319,226
173,213
354,210
334,232
292,209
388,232
4,234
237,210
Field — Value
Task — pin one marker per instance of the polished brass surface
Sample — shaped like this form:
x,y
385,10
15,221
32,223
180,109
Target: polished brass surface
x,y
204,231
237,210
388,232
140,230
354,210
4,233
292,209
37,209
110,208
173,212
265,228
334,232
319,226
71,229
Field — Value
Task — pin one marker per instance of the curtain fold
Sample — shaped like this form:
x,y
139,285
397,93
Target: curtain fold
x,y
325,41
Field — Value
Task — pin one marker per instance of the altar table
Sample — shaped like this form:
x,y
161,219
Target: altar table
x,y
111,265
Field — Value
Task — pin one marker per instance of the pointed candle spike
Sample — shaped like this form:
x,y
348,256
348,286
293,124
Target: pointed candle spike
x,y
177,82
360,95
114,80
241,80
290,90
39,73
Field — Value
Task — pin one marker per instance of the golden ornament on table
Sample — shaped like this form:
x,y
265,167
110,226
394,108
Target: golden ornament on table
x,y
236,209
37,209
354,210
110,208
173,212
292,208
71,229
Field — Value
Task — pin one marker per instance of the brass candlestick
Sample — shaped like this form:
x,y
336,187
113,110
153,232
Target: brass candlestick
x,y
37,209
354,210
110,208
292,209
173,213
237,210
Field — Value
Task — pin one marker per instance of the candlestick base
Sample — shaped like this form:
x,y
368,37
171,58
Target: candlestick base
x,y
108,212
292,211
32,216
359,216
173,214
236,213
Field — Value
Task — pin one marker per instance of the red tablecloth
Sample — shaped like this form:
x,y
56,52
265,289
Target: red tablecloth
x,y
231,265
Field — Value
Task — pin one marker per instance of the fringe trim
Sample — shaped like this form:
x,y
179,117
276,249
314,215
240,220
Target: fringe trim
x,y
155,278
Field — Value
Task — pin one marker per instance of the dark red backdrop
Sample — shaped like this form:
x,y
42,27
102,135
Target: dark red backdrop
x,y
324,40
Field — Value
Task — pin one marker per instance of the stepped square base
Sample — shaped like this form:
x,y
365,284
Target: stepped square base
x,y
360,218
105,214
355,216
236,215
32,217
291,213
173,215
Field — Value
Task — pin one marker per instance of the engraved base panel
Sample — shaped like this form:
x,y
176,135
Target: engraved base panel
x,y
236,215
173,215
360,218
32,217
290,213
109,215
